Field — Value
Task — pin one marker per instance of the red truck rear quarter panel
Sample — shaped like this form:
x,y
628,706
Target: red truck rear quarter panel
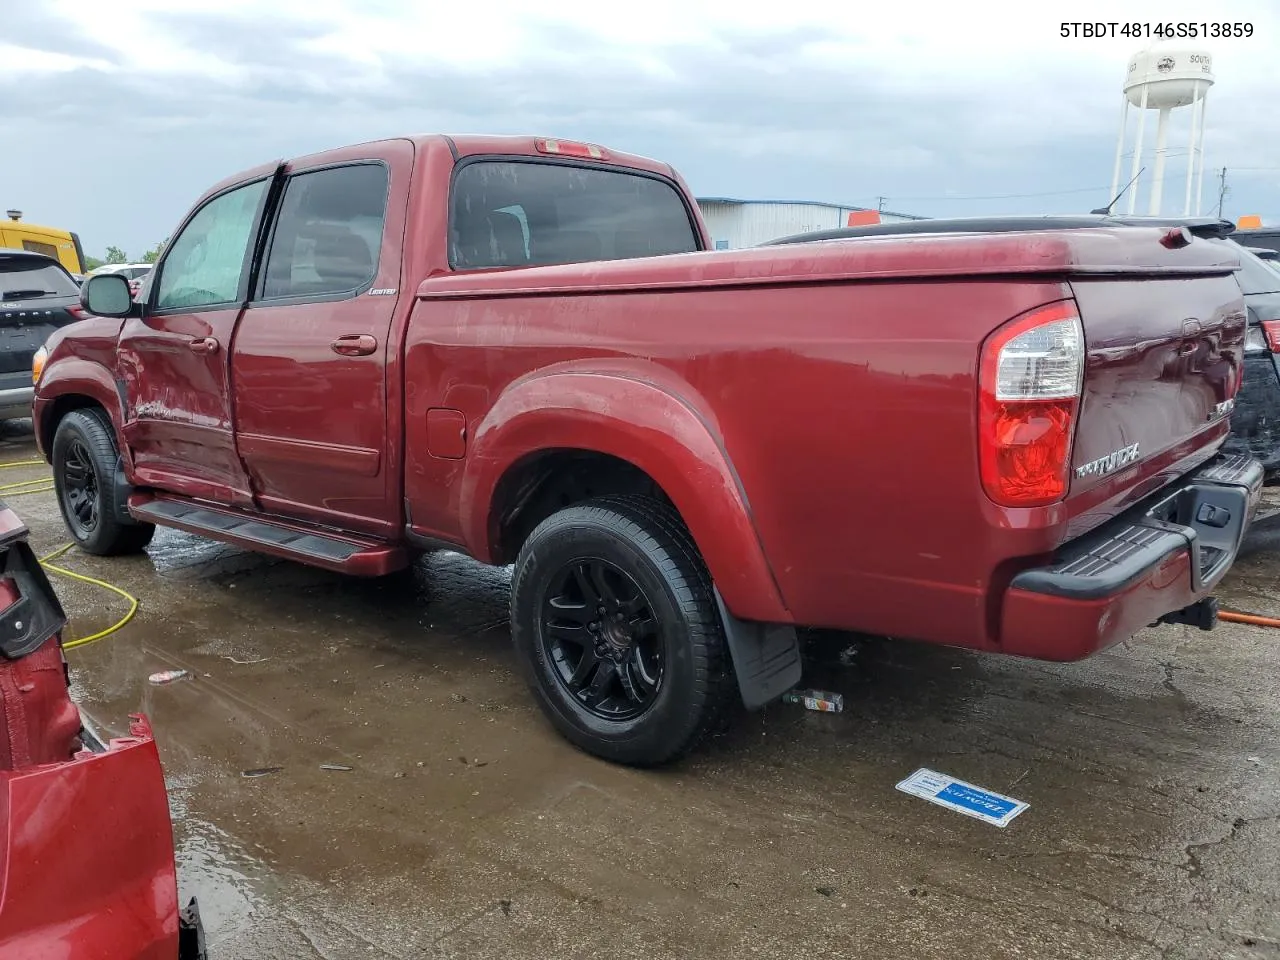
x,y
852,435
839,380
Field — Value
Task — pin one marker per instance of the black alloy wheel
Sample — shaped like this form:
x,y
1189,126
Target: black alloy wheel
x,y
85,478
600,633
615,622
81,494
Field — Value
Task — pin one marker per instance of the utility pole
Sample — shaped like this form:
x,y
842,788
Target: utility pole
x,y
880,208
1222,190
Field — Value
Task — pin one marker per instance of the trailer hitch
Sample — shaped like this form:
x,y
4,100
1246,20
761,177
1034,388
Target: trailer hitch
x,y
1202,614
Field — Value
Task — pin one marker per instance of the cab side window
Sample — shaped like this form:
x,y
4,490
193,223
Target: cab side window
x,y
328,234
206,262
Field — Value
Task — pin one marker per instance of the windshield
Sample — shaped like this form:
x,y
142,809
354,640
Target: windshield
x,y
22,279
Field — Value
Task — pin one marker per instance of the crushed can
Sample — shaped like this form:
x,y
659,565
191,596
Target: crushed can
x,y
821,701
167,676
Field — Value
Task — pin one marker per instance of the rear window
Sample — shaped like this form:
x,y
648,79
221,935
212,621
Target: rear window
x,y
510,213
21,278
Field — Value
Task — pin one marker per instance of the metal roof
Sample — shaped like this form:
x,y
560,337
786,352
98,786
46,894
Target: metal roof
x,y
807,203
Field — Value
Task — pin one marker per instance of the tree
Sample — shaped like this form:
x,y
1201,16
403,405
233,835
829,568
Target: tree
x,y
116,255
152,255
91,264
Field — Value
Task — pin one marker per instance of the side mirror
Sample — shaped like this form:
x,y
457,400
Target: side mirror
x,y
107,295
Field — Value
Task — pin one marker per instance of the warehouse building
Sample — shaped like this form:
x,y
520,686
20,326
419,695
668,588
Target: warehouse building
x,y
745,223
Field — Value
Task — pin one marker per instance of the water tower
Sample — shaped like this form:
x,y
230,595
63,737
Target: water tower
x,y
1165,79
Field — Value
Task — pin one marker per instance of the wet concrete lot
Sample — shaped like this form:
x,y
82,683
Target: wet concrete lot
x,y
467,828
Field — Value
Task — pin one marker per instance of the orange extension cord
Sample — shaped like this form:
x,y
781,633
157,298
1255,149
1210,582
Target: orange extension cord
x,y
1252,618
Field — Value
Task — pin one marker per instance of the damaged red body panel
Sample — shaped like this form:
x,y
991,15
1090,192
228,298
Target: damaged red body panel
x,y
88,859
87,866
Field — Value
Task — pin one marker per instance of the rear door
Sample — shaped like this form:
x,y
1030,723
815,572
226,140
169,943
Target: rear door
x,y
175,360
309,371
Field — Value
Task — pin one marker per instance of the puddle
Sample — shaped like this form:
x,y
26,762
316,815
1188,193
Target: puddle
x,y
213,866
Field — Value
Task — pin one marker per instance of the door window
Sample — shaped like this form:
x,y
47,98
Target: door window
x,y
207,260
329,232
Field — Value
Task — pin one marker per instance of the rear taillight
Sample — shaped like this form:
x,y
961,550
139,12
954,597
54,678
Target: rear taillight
x,y
77,312
1030,384
1271,330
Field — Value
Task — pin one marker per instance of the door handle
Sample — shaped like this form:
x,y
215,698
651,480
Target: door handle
x,y
203,345
354,345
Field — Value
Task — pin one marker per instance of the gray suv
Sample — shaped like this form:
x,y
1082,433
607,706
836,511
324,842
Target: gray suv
x,y
37,295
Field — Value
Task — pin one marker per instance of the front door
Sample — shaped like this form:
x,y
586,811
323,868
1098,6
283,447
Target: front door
x,y
309,370
174,361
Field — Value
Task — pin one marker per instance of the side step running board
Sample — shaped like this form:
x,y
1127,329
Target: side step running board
x,y
292,541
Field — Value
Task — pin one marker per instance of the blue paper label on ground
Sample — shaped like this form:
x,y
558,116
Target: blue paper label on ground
x,y
966,798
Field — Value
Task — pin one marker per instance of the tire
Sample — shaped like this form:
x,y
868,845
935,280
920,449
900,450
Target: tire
x,y
660,645
84,477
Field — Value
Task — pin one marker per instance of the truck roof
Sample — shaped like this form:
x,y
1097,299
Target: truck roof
x,y
466,145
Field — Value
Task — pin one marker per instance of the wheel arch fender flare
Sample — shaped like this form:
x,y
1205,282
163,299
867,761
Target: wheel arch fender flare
x,y
71,377
647,425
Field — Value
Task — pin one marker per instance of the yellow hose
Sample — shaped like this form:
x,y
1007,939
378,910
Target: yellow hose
x,y
63,571
42,485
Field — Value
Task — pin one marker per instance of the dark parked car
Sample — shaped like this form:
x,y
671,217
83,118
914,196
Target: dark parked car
x,y
37,295
1268,237
1255,420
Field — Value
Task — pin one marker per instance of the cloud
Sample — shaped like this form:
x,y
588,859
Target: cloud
x,y
153,102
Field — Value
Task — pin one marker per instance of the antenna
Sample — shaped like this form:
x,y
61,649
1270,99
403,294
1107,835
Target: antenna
x,y
1106,211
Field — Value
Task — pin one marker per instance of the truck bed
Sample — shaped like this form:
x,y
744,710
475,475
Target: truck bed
x,y
840,379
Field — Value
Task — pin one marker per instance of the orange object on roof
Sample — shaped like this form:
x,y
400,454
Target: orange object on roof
x,y
1250,221
863,218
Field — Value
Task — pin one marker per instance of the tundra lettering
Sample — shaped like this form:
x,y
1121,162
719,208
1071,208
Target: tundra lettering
x,y
1110,463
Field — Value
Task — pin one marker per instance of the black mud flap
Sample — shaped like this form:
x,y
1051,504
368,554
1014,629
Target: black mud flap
x,y
766,657
120,505
191,933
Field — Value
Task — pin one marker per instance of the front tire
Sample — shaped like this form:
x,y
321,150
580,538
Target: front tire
x,y
84,478
615,622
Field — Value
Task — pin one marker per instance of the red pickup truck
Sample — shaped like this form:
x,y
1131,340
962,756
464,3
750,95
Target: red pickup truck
x,y
523,350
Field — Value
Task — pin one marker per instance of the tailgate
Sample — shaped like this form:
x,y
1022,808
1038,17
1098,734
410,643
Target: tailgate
x,y
1164,359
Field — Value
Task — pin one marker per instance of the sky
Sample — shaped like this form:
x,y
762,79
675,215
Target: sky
x,y
117,115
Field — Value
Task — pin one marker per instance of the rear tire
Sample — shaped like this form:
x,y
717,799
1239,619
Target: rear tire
x,y
84,477
615,622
